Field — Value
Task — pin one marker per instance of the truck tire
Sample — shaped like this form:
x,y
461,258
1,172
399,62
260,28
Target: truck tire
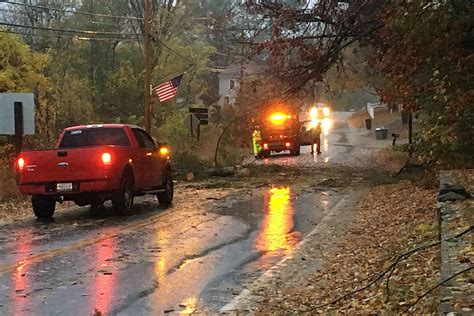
x,y
43,206
295,151
165,198
122,199
96,206
265,153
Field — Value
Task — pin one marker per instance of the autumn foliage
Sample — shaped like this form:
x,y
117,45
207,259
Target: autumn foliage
x,y
425,50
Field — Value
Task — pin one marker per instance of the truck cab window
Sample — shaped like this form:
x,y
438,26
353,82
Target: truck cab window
x,y
91,137
144,140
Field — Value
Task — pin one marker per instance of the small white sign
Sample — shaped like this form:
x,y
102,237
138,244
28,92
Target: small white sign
x,y
7,113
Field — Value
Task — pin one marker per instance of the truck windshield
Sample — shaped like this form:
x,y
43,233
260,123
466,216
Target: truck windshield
x,y
90,137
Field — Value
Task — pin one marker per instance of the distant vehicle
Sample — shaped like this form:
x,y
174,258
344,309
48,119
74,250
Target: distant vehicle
x,y
320,111
95,163
279,132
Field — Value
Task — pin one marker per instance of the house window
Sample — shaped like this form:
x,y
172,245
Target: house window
x,y
232,83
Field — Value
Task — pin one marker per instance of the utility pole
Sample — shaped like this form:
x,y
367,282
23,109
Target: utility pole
x,y
148,63
410,133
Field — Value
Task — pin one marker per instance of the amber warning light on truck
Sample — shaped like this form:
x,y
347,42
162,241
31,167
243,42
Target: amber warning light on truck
x,y
279,118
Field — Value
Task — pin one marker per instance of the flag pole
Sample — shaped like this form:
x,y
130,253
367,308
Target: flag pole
x,y
148,63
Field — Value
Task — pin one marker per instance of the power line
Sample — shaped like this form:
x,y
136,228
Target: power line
x,y
81,38
88,32
173,51
85,38
72,11
26,13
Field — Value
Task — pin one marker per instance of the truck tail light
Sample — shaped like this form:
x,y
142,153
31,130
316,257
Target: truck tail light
x,y
288,144
20,163
106,158
265,146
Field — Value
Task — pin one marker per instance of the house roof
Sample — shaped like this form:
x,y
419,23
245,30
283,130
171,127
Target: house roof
x,y
235,69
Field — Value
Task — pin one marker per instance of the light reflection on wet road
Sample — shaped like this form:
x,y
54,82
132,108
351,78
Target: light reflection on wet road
x,y
20,278
277,223
104,281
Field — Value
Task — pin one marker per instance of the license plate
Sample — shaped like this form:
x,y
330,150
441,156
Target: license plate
x,y
60,187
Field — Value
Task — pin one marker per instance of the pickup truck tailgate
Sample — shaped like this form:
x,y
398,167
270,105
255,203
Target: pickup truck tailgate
x,y
61,165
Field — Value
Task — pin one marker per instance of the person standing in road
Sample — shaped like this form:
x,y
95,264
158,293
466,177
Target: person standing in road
x,y
316,138
256,142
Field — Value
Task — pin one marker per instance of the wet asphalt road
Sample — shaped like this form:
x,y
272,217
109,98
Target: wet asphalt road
x,y
193,256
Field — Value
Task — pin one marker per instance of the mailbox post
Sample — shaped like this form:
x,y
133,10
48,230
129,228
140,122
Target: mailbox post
x,y
201,115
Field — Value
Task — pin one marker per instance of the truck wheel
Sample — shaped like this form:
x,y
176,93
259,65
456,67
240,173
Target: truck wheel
x,y
122,199
165,198
97,205
265,153
43,206
297,151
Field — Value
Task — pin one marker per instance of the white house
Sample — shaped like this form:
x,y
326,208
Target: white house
x,y
229,81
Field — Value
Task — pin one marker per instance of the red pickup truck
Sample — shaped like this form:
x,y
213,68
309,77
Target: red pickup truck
x,y
95,163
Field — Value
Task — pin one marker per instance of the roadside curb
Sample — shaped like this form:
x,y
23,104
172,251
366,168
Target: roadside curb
x,y
341,214
454,207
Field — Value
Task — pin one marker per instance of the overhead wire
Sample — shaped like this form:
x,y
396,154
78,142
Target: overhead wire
x,y
173,51
82,38
119,36
72,11
88,32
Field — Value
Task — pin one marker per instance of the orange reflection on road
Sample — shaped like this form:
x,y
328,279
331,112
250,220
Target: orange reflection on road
x,y
20,276
277,223
104,283
190,304
160,264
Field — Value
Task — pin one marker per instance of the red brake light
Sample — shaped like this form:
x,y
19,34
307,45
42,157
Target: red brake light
x,y
287,144
21,164
265,146
106,158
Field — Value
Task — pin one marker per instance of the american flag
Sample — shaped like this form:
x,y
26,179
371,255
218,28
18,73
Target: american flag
x,y
167,90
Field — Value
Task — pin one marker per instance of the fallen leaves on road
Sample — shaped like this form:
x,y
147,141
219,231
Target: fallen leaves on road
x,y
391,219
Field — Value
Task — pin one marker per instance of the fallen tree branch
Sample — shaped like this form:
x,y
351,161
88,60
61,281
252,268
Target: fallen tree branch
x,y
462,233
400,258
436,286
